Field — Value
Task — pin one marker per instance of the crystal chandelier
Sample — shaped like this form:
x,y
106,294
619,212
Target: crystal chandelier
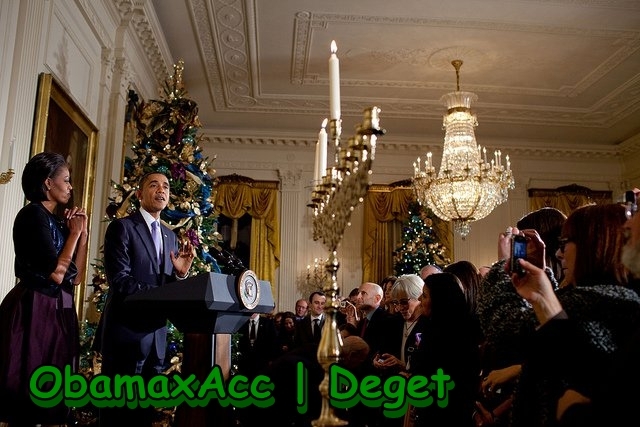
x,y
467,187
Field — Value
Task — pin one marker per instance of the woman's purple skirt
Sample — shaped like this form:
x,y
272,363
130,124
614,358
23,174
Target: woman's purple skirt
x,y
35,330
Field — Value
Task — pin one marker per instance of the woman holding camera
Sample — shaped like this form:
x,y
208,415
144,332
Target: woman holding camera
x,y
594,295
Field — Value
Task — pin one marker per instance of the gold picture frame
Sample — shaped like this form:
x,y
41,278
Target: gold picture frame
x,y
61,126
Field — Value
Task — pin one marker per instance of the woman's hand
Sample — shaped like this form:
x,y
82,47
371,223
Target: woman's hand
x,y
387,361
567,400
535,247
504,243
77,220
535,287
496,378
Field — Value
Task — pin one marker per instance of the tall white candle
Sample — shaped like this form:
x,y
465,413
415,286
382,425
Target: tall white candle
x,y
316,164
334,82
322,148
12,144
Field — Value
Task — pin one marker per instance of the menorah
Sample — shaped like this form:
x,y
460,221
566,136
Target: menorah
x,y
333,199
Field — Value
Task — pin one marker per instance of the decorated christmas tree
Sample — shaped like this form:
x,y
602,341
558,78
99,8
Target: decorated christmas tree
x,y
420,245
165,139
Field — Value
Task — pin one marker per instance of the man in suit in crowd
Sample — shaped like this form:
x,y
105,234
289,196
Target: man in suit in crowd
x,y
139,254
428,270
374,325
257,345
301,309
309,329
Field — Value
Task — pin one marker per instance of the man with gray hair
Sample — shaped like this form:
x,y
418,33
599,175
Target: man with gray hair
x,y
428,270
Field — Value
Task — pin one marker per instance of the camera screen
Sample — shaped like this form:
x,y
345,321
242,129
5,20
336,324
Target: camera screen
x,y
519,249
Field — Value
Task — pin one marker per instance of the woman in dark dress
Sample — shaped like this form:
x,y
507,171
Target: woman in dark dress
x,y
38,321
449,342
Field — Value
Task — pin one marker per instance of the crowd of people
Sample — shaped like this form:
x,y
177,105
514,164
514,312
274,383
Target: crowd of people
x,y
553,344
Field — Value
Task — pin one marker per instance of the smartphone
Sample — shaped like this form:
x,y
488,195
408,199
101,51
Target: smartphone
x,y
518,250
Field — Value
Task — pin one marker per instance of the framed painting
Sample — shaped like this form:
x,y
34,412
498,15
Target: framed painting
x,y
60,126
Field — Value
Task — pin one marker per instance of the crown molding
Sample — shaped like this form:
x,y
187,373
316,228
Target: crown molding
x,y
626,148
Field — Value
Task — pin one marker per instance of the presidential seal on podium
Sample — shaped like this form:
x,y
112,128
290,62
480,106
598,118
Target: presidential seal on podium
x,y
248,289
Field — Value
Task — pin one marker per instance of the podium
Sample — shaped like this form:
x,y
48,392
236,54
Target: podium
x,y
207,308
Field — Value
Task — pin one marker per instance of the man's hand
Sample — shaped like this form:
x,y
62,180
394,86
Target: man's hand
x,y
182,262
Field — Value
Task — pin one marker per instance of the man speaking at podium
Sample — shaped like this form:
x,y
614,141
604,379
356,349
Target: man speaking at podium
x,y
139,254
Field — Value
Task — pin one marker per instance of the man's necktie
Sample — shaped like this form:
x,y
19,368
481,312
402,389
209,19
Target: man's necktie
x,y
365,323
252,331
157,239
317,332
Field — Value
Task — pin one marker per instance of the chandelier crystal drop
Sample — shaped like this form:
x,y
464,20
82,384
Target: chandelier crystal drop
x,y
467,187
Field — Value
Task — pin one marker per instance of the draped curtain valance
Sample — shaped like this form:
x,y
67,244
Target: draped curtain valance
x,y
237,196
567,198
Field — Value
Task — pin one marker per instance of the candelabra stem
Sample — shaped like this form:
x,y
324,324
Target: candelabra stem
x,y
330,343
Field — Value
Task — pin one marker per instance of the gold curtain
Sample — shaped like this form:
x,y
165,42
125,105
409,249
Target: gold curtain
x,y
237,196
382,205
567,198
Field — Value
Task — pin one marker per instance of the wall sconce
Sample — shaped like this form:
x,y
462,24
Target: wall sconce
x,y
5,177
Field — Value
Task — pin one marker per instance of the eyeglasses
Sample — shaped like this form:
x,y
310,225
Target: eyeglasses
x,y
562,242
403,302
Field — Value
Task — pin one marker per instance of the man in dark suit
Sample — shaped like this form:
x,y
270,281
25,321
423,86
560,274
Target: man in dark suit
x,y
257,348
134,341
309,329
375,322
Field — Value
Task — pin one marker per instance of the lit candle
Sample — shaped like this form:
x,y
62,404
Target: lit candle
x,y
484,152
334,82
316,165
429,159
322,149
11,145
508,163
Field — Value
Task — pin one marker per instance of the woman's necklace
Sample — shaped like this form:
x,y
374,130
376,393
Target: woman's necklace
x,y
408,326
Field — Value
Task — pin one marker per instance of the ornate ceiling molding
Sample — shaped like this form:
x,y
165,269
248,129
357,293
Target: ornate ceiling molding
x,y
134,12
227,30
629,147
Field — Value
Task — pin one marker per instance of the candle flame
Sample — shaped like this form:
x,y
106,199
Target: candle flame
x,y
334,46
324,122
